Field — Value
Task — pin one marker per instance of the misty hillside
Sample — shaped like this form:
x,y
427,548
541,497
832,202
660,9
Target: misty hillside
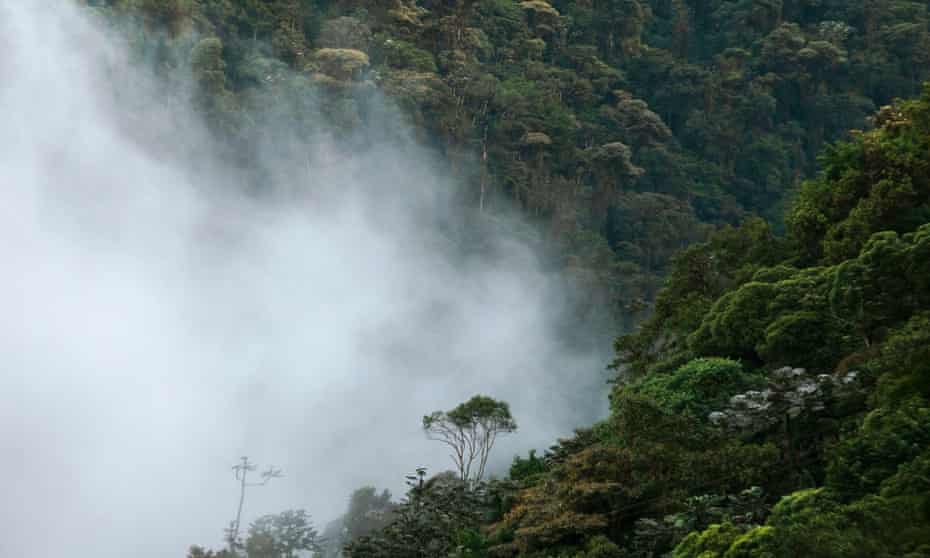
x,y
465,279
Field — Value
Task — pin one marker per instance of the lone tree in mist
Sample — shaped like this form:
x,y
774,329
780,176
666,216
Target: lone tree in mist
x,y
242,471
471,430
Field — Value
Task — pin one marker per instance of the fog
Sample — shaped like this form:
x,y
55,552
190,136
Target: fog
x,y
158,322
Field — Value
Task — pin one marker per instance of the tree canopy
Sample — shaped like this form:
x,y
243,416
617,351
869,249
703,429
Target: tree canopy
x,y
470,430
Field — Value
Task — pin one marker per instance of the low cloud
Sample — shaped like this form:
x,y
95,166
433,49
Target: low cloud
x,y
159,321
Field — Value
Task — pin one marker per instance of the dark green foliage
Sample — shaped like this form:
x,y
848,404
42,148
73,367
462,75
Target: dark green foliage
x,y
698,276
638,464
602,547
741,511
904,362
698,387
712,543
813,523
345,32
437,515
868,303
888,437
403,55
784,315
778,322
879,181
163,13
527,469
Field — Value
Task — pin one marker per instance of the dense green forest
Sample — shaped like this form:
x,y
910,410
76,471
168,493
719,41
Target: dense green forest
x,y
625,128
742,184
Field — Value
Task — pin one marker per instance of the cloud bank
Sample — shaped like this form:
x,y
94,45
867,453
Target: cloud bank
x,y
158,322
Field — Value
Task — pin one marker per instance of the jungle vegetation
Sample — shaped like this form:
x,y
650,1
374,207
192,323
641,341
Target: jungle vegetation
x,y
744,184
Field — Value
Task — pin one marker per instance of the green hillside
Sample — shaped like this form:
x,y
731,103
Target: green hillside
x,y
736,182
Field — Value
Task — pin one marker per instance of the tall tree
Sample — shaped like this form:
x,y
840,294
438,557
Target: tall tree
x,y
470,430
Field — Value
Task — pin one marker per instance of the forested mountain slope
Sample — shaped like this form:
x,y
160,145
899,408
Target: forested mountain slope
x,y
779,370
775,400
777,403
622,126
